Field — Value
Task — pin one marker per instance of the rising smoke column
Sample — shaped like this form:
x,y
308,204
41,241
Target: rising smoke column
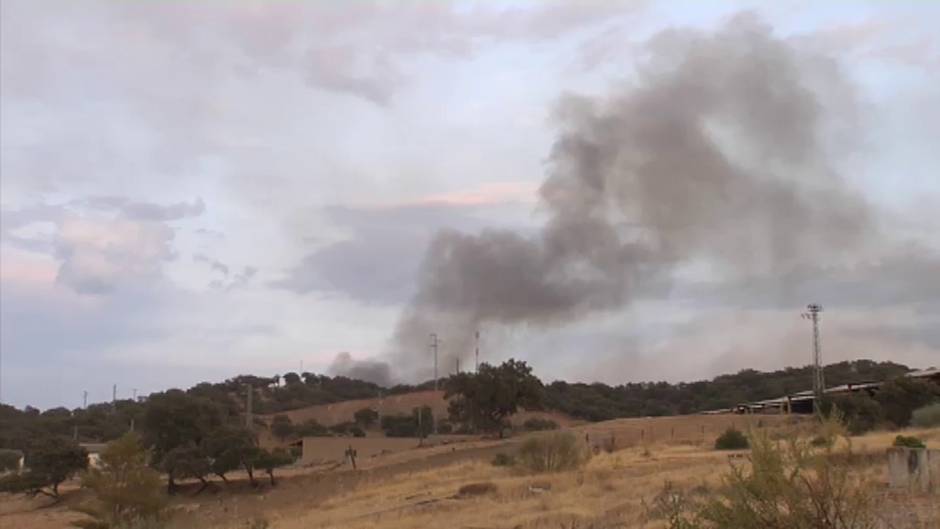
x,y
714,154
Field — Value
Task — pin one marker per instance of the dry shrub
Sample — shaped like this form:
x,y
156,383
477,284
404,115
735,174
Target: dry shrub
x,y
927,417
476,489
552,453
795,485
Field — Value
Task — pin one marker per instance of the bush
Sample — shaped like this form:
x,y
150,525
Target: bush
x,y
400,426
126,489
927,417
553,453
789,485
908,442
312,428
9,459
281,427
445,427
732,440
860,412
347,428
901,396
503,460
536,424
366,417
476,489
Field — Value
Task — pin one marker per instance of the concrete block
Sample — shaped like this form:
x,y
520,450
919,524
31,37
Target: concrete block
x,y
915,469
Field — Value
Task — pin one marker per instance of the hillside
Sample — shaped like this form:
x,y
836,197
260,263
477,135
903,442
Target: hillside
x,y
402,404
313,395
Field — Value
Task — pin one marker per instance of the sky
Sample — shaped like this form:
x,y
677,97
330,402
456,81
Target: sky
x,y
611,191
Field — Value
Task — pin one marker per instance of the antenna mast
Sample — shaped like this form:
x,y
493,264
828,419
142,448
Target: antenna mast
x,y
476,366
819,382
434,344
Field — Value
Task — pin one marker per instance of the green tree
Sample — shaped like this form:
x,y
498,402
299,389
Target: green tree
x,y
282,427
49,462
229,449
175,422
186,462
901,396
126,489
291,378
366,417
484,400
271,460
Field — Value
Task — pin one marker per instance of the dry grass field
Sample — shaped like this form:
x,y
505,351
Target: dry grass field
x,y
456,486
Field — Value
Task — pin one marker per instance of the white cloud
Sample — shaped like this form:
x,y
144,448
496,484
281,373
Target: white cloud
x,y
98,255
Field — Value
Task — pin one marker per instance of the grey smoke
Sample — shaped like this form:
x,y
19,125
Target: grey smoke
x,y
716,154
374,371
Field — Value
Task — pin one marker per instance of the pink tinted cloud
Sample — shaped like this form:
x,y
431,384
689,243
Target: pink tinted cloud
x,y
484,195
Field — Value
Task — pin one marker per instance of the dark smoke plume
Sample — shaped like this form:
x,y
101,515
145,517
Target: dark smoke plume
x,y
374,371
715,154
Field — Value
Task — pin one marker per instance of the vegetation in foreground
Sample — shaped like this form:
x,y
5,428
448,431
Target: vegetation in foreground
x,y
796,484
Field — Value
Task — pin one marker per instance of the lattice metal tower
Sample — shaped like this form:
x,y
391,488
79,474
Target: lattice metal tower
x,y
819,381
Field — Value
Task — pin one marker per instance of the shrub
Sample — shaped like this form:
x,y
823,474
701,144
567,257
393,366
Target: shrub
x,y
732,439
312,428
281,427
860,412
553,453
126,489
9,459
347,428
789,485
536,424
901,396
476,489
504,460
908,442
400,425
445,427
366,417
927,417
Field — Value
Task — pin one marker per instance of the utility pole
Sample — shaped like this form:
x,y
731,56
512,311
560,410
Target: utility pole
x,y
135,394
476,366
819,382
114,398
248,419
458,365
434,344
85,399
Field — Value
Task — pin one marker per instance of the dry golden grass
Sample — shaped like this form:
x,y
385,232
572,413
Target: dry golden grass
x,y
421,488
611,488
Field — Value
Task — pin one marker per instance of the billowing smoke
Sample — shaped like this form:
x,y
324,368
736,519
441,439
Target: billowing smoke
x,y
715,155
374,371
